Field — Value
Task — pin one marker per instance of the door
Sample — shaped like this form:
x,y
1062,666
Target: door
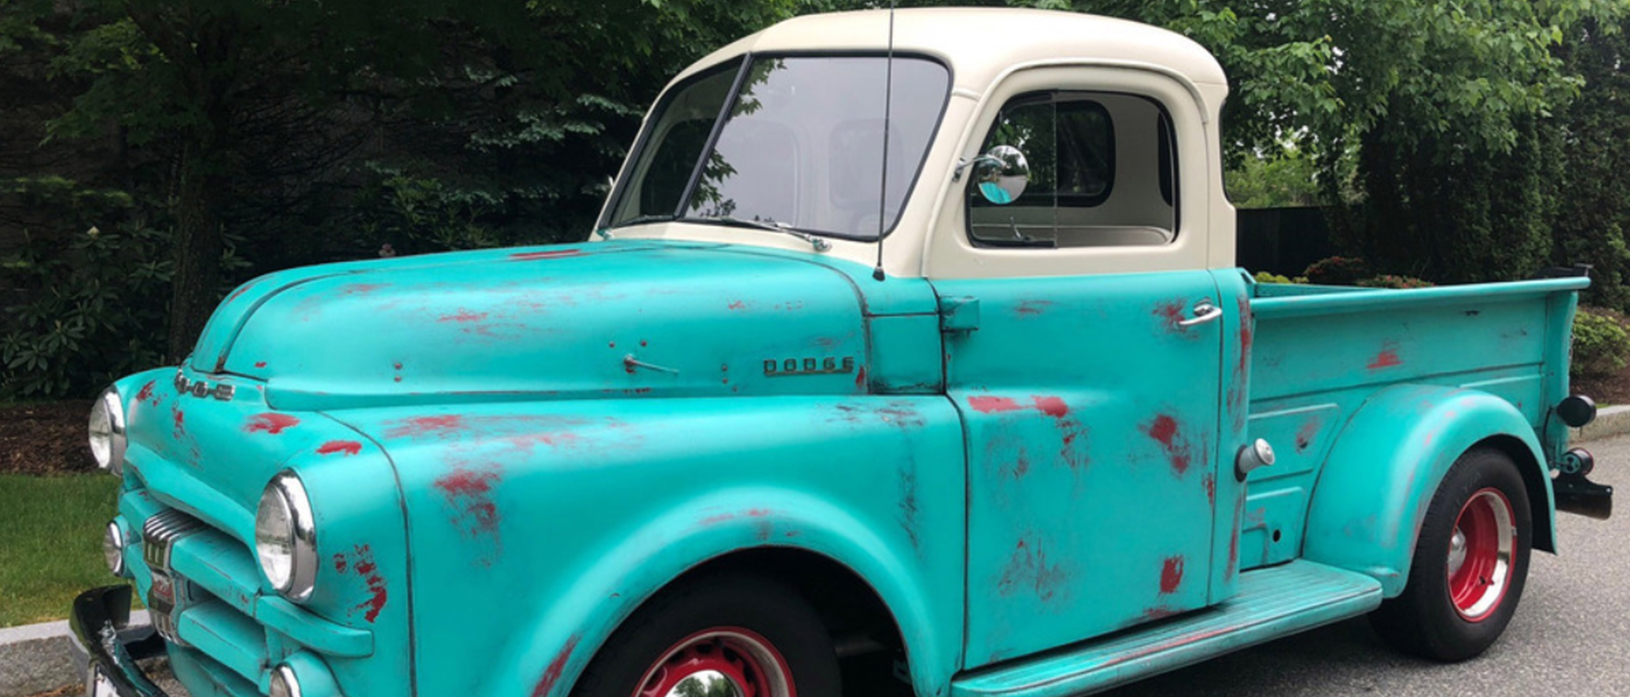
x,y
1091,417
1091,398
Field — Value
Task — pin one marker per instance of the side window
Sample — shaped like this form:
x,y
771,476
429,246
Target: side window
x,y
1100,174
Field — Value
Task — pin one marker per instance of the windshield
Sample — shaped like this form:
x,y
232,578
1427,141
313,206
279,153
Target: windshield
x,y
800,147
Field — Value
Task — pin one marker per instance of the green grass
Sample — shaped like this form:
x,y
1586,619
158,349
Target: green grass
x,y
51,542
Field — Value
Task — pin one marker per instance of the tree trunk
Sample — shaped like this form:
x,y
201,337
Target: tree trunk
x,y
197,245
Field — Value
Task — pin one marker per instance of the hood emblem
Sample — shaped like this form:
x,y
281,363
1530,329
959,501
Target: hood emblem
x,y
202,388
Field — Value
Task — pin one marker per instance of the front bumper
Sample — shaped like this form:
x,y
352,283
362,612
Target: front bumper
x,y
108,648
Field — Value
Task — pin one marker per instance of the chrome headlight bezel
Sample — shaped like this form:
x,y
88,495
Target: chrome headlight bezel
x,y
113,548
106,432
286,537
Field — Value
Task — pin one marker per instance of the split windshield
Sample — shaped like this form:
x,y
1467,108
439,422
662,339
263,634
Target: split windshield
x,y
800,147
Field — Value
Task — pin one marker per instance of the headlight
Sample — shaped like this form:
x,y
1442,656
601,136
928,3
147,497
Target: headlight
x,y
107,432
284,682
285,539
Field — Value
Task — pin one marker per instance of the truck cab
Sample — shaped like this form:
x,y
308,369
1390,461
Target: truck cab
x,y
908,337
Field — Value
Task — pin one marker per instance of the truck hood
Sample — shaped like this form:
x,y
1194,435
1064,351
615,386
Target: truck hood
x,y
587,321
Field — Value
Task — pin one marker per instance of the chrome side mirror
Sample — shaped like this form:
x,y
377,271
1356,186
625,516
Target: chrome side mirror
x,y
1001,174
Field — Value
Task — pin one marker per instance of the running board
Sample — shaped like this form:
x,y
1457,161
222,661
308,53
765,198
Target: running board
x,y
1272,603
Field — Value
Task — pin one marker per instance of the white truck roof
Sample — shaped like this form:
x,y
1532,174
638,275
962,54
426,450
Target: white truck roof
x,y
981,43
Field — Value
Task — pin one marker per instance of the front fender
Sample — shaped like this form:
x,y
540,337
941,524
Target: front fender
x,y
1372,494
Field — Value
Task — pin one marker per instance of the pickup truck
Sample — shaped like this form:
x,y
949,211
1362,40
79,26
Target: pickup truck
x,y
912,341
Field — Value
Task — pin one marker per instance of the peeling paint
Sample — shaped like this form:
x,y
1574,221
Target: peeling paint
x,y
1387,358
431,426
270,423
349,447
546,254
986,404
469,493
1164,429
146,393
1171,312
362,563
1027,569
556,669
1306,434
1032,308
1052,406
1171,575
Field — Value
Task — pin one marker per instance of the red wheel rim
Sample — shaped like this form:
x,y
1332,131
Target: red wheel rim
x,y
748,660
1480,554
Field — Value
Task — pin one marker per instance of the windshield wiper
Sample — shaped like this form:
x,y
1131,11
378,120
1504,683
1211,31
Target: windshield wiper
x,y
820,244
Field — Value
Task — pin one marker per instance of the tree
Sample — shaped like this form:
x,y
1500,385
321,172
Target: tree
x,y
1591,139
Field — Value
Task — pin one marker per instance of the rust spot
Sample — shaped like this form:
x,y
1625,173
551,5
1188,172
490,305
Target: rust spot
x,y
469,493
1052,406
146,392
349,447
1387,358
1233,539
642,342
362,562
437,426
1170,313
463,315
361,288
1027,569
1164,430
269,423
1305,435
1171,575
986,404
1032,308
738,305
260,364
178,421
397,365
557,667
1209,483
860,379
547,254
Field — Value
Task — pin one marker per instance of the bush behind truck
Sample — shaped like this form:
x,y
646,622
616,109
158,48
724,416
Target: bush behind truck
x,y
1055,442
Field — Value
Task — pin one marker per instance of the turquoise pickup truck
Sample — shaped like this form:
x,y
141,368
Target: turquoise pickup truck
x,y
909,354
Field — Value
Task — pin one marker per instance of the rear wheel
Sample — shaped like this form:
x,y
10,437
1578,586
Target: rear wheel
x,y
718,636
1470,563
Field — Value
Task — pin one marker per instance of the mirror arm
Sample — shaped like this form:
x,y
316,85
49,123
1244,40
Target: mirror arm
x,y
962,163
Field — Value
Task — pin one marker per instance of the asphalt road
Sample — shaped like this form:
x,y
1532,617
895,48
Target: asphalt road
x,y
1571,634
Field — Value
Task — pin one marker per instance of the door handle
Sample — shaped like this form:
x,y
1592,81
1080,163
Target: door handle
x,y
1204,311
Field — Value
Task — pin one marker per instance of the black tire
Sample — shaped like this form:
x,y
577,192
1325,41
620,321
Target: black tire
x,y
1426,620
705,614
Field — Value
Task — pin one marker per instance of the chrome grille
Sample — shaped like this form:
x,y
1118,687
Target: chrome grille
x,y
169,593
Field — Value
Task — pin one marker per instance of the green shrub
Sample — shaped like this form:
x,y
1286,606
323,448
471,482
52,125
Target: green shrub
x,y
1601,346
1267,277
97,311
1391,281
1337,271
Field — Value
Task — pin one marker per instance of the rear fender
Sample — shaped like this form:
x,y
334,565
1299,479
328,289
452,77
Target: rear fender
x,y
1373,492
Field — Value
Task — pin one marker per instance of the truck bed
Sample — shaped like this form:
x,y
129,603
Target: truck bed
x,y
1319,352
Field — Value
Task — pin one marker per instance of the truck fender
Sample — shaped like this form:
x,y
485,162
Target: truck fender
x,y
1373,492
570,629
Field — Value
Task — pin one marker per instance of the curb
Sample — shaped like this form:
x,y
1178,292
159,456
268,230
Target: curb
x,y
35,658
1611,421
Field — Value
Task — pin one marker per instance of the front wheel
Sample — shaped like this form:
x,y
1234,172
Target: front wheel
x,y
718,636
1470,563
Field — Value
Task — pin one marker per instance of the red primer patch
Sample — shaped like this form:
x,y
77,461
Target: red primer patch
x,y
178,420
557,667
260,364
546,254
339,563
361,288
349,447
860,379
991,405
1164,430
1052,406
738,305
1171,575
271,424
1387,358
463,315
1209,483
